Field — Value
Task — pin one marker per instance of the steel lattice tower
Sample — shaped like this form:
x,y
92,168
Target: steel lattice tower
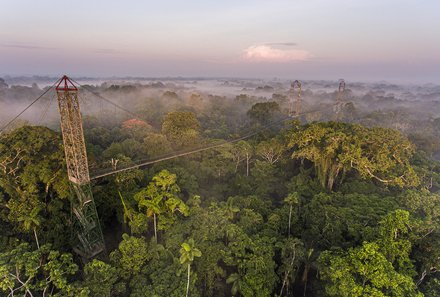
x,y
341,92
295,105
340,97
87,234
340,100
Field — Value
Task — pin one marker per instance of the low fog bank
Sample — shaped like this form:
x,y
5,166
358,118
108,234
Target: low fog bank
x,y
412,109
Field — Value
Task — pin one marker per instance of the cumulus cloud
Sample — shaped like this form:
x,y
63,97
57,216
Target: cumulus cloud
x,y
282,43
268,53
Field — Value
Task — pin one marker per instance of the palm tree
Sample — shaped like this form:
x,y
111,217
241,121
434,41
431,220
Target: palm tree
x,y
187,254
31,221
154,207
291,200
292,253
127,215
230,209
160,196
307,265
235,280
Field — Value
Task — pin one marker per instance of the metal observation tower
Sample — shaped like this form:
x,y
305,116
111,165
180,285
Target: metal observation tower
x,y
87,234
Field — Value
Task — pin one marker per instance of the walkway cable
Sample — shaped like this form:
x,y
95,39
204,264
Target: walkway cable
x,y
24,110
176,155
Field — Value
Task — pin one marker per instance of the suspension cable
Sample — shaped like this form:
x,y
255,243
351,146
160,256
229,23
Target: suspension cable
x,y
107,100
32,103
181,154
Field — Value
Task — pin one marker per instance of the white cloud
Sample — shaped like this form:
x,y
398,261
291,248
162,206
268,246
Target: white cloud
x,y
267,53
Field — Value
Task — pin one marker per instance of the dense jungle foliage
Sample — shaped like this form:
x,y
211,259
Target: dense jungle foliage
x,y
307,207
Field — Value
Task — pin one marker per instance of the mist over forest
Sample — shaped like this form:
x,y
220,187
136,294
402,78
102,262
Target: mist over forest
x,y
412,109
250,189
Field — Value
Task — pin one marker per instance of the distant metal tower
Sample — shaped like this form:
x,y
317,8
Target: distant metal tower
x,y
86,228
340,99
341,92
295,105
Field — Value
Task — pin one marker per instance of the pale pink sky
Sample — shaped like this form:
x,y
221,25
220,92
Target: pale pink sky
x,y
372,40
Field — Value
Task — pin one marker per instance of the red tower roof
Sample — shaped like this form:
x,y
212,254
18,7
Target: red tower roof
x,y
66,84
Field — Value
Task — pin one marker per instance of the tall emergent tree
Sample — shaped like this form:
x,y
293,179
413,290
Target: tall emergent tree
x,y
42,272
379,268
34,184
160,198
336,148
181,128
187,254
263,112
291,200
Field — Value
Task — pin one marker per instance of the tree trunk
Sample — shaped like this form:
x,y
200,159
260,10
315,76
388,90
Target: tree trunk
x,y
155,228
290,217
287,276
305,289
421,278
187,284
126,228
284,284
305,278
247,165
36,238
